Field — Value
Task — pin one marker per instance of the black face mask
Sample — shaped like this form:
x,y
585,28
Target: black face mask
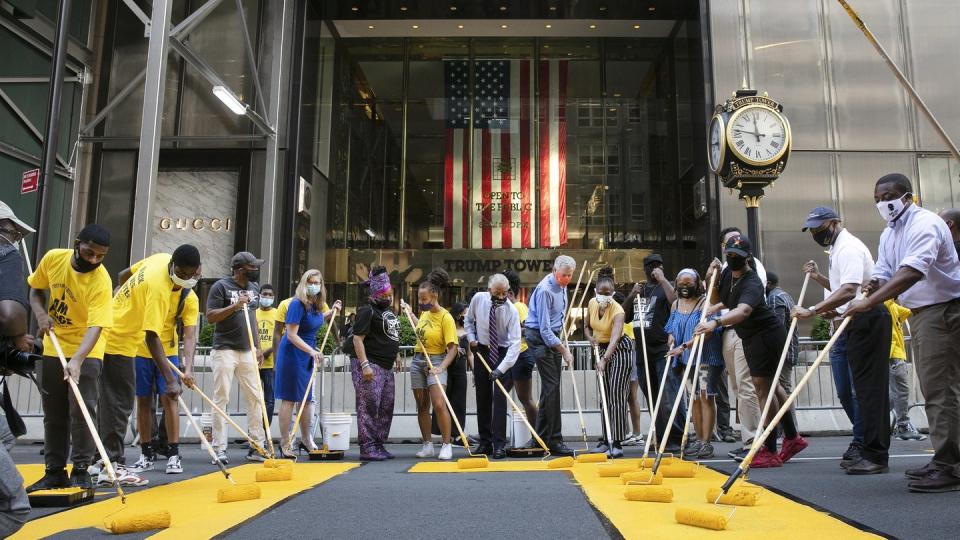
x,y
824,237
253,275
736,263
687,291
382,303
497,302
82,265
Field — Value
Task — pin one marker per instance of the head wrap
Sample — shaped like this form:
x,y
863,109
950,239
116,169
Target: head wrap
x,y
380,285
689,272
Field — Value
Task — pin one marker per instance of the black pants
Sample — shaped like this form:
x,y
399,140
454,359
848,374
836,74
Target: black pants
x,y
656,362
723,406
491,403
868,352
550,368
118,388
457,394
63,422
266,380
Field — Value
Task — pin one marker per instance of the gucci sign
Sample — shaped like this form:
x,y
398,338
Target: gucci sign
x,y
196,224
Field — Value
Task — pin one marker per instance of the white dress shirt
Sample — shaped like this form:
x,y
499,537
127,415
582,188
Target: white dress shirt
x,y
921,240
477,324
850,262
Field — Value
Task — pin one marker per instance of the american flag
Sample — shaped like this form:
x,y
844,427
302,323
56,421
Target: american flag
x,y
493,205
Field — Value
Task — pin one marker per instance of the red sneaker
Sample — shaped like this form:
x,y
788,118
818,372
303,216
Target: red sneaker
x,y
792,447
765,459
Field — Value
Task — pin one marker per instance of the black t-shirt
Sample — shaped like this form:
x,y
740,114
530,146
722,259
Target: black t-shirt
x,y
380,330
13,279
656,312
748,289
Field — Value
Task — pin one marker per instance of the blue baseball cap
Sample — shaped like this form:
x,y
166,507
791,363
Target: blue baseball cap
x,y
818,216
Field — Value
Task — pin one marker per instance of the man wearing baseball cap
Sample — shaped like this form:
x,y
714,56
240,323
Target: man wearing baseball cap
x,y
14,304
859,357
231,348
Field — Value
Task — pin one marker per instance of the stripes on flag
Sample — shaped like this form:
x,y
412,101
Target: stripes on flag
x,y
494,204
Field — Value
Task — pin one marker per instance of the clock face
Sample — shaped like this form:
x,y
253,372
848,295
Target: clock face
x,y
716,145
758,135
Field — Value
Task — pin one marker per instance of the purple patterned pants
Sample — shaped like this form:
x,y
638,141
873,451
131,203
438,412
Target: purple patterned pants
x,y
374,405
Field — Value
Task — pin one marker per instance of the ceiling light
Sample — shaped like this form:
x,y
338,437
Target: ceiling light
x,y
593,27
603,8
415,26
503,8
553,8
460,26
370,26
226,96
403,8
636,27
354,8
548,26
370,233
651,8
503,26
453,8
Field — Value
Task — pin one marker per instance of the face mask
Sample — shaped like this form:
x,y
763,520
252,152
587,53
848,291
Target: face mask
x,y
382,303
563,281
426,307
891,210
604,300
185,283
4,237
736,263
497,302
266,302
686,291
82,265
253,275
824,237
313,290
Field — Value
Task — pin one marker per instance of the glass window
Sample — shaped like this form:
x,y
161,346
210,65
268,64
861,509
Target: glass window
x,y
638,209
938,182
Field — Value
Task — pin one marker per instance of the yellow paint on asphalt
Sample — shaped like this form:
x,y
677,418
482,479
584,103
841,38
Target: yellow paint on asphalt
x,y
192,503
774,517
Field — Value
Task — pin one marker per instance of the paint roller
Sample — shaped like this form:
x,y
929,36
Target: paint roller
x,y
275,475
475,461
130,521
741,496
263,404
603,398
698,347
306,392
228,494
704,519
772,425
648,494
680,469
559,463
648,478
259,449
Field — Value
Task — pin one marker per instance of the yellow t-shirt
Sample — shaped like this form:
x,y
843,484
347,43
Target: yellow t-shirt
x,y
281,314
265,323
436,331
603,326
898,314
77,301
523,310
169,337
140,305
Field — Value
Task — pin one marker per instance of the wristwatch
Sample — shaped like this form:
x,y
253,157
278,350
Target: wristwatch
x,y
813,309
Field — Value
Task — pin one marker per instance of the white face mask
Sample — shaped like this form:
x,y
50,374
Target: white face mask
x,y
891,210
604,300
266,302
313,290
185,283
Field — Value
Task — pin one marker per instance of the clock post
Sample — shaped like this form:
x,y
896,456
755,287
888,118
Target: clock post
x,y
749,144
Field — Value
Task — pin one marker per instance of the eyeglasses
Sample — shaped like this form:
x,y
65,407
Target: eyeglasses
x,y
14,235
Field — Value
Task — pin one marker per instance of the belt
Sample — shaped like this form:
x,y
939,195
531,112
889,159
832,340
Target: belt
x,y
924,308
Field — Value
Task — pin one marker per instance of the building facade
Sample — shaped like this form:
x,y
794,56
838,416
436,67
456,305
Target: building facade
x,y
470,135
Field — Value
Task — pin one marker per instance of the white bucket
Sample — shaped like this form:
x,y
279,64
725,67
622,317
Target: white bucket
x,y
336,430
206,425
520,432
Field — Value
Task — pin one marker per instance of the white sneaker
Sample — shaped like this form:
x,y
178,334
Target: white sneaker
x,y
125,477
143,464
446,451
221,457
426,451
94,470
174,466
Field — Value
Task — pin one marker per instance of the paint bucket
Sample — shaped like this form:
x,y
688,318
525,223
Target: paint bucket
x,y
206,425
336,430
520,432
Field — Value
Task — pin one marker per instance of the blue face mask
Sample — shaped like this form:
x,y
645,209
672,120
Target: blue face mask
x,y
313,290
266,302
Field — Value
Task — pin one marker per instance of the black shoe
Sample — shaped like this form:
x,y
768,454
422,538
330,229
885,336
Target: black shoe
x,y
532,443
938,481
51,480
865,466
499,453
79,478
851,456
484,449
739,454
921,472
561,449
672,448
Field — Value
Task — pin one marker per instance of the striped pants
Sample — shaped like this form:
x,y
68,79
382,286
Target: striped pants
x,y
616,378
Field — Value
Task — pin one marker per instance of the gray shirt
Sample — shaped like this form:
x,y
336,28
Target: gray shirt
x,y
231,333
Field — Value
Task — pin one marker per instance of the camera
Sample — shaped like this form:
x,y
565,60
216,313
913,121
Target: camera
x,y
16,362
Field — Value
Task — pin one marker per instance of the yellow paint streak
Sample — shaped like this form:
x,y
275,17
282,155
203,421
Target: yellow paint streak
x,y
192,503
775,517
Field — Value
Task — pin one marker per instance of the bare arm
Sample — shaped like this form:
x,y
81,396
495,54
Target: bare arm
x,y
452,351
160,360
616,333
217,315
38,303
297,341
904,278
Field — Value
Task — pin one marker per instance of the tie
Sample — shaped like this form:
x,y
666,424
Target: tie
x,y
494,349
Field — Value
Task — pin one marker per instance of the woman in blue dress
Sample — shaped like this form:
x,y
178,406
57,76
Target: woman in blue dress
x,y
684,317
297,355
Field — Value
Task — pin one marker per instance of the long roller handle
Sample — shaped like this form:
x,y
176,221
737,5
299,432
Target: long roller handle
x,y
203,440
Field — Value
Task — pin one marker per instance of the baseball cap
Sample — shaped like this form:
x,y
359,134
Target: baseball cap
x,y
243,258
739,245
818,216
654,258
7,213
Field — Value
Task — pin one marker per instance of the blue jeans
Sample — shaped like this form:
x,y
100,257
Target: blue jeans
x,y
843,381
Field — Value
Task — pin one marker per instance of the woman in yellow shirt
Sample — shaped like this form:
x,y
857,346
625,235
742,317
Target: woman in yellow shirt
x,y
605,329
436,338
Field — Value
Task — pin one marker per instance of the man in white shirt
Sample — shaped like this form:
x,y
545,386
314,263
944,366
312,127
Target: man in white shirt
x,y
493,328
918,265
859,356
